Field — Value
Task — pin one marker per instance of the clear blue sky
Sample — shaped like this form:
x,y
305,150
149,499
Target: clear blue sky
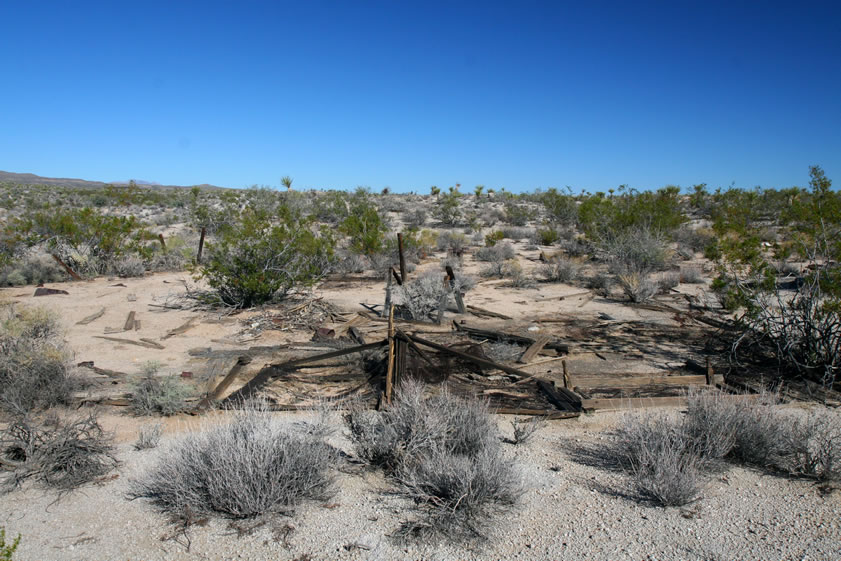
x,y
413,94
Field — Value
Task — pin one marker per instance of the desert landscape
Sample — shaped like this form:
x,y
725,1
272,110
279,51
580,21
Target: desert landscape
x,y
268,373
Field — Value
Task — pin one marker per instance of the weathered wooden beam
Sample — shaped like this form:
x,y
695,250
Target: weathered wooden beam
x,y
622,403
483,312
225,383
632,381
275,370
201,244
535,348
142,343
474,359
562,399
66,267
390,369
91,317
500,336
402,257
129,325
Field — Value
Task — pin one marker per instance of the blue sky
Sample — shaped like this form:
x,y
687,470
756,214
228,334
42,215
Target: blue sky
x,y
518,95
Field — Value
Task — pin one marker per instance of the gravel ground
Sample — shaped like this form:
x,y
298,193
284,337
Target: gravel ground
x,y
573,509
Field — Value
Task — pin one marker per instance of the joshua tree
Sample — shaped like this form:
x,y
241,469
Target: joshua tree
x,y
478,190
435,191
287,182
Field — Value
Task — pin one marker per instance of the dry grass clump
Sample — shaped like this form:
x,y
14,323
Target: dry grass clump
x,y
62,454
502,351
34,362
250,466
668,456
559,270
148,437
638,287
442,452
691,275
129,266
524,429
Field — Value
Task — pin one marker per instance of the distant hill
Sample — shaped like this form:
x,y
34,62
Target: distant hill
x,y
32,179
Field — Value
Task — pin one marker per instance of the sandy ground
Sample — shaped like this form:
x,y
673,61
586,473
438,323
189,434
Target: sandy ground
x,y
571,509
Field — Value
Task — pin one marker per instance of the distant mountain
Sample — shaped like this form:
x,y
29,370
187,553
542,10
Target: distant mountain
x,y
32,179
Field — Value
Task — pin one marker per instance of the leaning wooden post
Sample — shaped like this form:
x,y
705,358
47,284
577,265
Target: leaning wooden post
x,y
70,271
402,259
710,373
201,244
163,243
390,372
451,278
566,374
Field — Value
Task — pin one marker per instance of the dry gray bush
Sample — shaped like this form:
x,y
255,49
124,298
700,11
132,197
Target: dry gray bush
x,y
665,464
813,445
452,241
159,395
148,437
443,452
668,281
251,466
691,275
63,454
497,253
352,263
559,270
639,251
524,429
422,295
415,218
34,362
638,287
129,266
517,233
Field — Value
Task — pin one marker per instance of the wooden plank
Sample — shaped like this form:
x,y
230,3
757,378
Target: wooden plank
x,y
535,348
560,400
92,317
592,382
390,370
474,359
500,336
275,370
226,382
355,321
129,325
153,343
483,312
623,403
102,371
141,343
183,328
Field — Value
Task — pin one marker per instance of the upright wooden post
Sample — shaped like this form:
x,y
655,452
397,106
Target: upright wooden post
x,y
163,243
402,259
387,305
566,374
710,373
389,382
201,244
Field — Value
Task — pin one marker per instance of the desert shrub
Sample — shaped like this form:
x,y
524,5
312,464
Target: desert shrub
x,y
637,287
668,280
691,275
513,271
491,216
422,295
7,549
251,466
63,454
454,242
524,429
601,283
496,253
351,263
34,269
560,208
802,331
518,214
813,445
635,251
447,209
34,363
87,240
494,237
517,233
559,270
148,437
693,239
255,260
547,236
443,452
602,217
129,266
179,253
665,465
159,395
364,225
415,218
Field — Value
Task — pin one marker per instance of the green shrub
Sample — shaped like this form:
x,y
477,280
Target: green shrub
x,y
7,549
494,237
256,260
159,395
547,236
364,224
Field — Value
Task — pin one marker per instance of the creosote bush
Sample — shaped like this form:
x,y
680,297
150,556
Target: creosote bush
x,y
421,296
159,395
559,270
148,437
34,362
442,452
251,466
